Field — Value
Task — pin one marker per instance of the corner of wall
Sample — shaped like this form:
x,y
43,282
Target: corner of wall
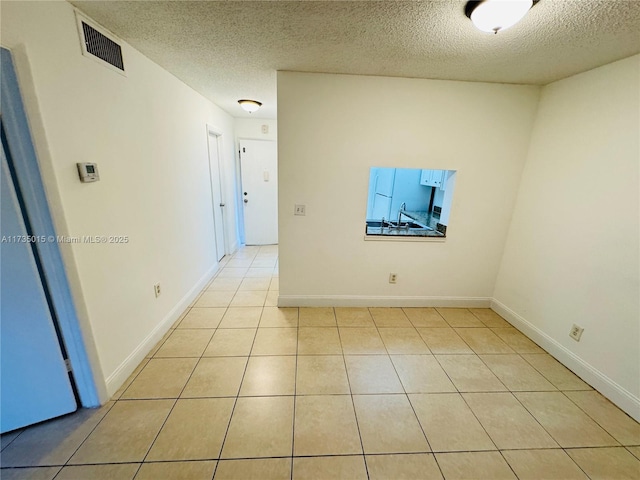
x,y
590,374
117,379
571,253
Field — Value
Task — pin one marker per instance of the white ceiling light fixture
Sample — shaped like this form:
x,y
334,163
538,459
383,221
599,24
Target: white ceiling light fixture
x,y
493,16
249,105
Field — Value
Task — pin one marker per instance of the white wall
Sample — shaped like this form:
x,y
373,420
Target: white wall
x,y
251,128
147,133
572,256
333,128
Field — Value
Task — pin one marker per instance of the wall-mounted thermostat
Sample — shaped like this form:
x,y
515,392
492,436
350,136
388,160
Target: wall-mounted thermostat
x,y
88,172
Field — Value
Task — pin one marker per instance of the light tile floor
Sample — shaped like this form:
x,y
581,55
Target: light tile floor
x,y
241,389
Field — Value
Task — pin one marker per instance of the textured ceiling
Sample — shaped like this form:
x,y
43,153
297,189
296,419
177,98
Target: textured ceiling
x,y
228,50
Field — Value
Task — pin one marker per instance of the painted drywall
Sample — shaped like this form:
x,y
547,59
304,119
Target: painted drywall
x,y
252,128
147,133
572,254
333,128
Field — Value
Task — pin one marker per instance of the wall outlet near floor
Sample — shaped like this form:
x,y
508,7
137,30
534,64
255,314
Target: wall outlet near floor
x,y
156,289
576,332
393,278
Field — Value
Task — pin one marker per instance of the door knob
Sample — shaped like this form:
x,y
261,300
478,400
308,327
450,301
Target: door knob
x,y
222,204
246,201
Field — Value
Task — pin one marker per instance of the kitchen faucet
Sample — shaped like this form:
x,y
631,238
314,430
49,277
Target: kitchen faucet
x,y
402,207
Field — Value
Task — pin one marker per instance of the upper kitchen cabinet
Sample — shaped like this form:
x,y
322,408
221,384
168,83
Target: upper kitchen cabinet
x,y
433,178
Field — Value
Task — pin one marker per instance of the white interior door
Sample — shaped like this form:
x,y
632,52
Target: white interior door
x,y
217,197
34,381
259,172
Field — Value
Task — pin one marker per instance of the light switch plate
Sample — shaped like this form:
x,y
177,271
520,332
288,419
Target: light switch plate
x,y
299,210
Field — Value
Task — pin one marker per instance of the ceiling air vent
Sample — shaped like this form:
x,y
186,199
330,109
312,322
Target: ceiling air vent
x,y
100,47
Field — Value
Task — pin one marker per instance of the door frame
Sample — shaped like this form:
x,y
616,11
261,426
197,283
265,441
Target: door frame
x,y
28,176
216,132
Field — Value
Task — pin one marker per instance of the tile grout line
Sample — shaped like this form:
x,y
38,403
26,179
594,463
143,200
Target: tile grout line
x,y
564,392
174,403
525,408
549,433
513,394
344,355
214,277
22,430
353,405
295,396
438,361
184,386
507,391
237,397
465,400
406,394
66,463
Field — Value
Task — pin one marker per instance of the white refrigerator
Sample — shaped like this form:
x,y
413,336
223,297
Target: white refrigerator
x,y
381,192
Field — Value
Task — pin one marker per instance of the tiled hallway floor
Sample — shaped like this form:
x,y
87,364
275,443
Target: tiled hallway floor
x,y
241,389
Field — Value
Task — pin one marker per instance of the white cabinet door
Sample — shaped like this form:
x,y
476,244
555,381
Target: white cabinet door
x,y
432,178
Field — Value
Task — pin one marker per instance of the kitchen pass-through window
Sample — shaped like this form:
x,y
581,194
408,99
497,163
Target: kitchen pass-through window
x,y
409,202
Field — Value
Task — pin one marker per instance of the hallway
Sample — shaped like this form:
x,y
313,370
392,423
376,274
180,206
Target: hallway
x,y
240,389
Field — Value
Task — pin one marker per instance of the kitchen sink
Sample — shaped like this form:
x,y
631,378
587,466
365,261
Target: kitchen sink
x,y
406,229
394,226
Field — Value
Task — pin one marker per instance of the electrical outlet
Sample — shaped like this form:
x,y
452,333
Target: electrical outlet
x,y
393,278
300,210
156,289
576,332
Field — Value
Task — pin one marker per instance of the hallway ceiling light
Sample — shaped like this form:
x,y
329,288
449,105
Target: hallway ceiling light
x,y
496,15
250,105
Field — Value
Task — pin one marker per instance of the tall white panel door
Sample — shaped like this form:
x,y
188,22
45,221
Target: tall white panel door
x,y
34,381
259,173
217,197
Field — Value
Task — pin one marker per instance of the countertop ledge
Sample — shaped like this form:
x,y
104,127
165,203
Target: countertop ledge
x,y
403,238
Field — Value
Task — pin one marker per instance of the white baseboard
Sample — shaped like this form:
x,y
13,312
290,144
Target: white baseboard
x,y
603,384
379,301
126,368
233,248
